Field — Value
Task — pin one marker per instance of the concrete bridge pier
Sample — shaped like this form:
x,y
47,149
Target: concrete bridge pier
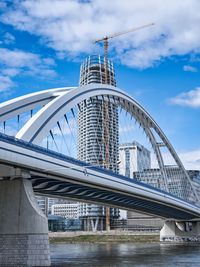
x,y
183,232
23,227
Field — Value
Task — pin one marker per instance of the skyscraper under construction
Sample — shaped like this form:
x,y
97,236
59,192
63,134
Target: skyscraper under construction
x,y
98,137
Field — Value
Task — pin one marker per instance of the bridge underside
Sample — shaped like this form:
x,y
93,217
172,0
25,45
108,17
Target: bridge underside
x,y
66,189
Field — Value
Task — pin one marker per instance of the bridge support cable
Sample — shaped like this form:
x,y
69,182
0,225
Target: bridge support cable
x,y
60,128
173,183
144,122
4,127
183,186
53,138
18,118
126,140
178,180
19,105
12,125
71,134
146,132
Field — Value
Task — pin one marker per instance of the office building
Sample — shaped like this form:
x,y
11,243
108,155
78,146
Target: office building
x,y
68,211
133,157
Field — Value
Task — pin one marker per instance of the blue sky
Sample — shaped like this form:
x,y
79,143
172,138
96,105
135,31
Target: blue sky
x,y
43,42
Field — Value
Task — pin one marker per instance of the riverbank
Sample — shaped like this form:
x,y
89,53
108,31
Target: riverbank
x,y
104,237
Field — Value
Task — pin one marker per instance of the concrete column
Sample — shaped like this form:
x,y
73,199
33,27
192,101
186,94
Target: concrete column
x,y
23,227
94,223
180,232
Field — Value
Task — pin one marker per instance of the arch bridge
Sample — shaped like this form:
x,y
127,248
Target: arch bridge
x,y
26,164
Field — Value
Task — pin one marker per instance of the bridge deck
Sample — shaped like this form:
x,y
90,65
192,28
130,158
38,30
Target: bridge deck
x,y
54,174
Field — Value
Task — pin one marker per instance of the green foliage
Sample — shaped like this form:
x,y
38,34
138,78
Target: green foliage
x,y
106,238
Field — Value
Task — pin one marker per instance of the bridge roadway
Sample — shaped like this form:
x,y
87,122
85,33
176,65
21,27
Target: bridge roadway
x,y
54,174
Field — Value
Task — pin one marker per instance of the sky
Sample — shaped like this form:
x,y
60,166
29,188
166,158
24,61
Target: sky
x,y
43,42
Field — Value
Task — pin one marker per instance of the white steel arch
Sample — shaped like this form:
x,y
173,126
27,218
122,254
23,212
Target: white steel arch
x,y
37,127
62,100
16,106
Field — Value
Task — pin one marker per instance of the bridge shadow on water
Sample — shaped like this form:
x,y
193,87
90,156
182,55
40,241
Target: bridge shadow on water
x,y
125,254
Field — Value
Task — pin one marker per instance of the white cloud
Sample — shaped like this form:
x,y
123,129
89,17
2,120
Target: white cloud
x,y
11,72
8,38
190,68
5,83
69,26
9,129
2,6
21,59
17,58
15,62
125,129
190,99
191,159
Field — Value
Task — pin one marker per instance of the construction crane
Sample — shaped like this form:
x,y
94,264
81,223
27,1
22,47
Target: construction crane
x,y
105,104
105,42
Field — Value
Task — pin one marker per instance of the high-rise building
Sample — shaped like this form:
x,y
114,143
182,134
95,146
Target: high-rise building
x,y
98,137
133,157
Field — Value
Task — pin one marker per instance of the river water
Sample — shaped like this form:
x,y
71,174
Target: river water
x,y
125,254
